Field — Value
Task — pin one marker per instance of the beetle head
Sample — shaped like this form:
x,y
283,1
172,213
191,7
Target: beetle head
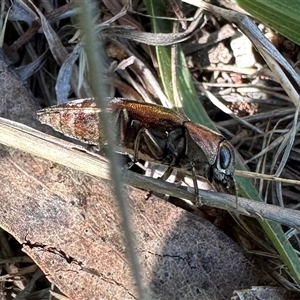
x,y
223,168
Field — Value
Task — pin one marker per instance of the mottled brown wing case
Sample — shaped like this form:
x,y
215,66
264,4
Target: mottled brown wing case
x,y
78,119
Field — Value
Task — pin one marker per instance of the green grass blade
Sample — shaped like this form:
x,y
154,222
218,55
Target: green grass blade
x,y
281,15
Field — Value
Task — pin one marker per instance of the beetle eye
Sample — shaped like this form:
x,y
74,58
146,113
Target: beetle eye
x,y
224,156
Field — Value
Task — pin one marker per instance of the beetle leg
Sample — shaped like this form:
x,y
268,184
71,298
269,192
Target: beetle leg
x,y
194,176
167,174
152,144
164,177
196,188
137,144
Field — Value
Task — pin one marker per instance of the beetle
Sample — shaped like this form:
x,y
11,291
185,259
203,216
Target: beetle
x,y
148,131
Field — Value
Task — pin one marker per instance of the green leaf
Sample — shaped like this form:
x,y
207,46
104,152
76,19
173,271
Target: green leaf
x,y
281,15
